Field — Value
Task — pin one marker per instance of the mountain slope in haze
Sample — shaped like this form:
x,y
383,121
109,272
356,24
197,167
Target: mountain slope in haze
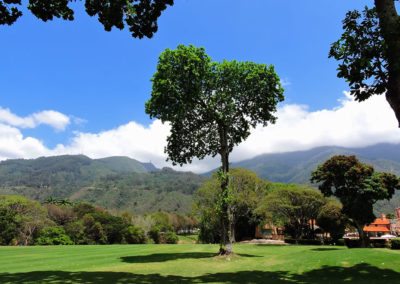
x,y
114,182
296,167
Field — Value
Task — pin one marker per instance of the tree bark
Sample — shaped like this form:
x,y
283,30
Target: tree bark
x,y
362,236
389,22
226,243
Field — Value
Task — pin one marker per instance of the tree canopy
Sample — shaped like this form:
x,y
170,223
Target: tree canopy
x,y
356,185
139,15
246,191
369,52
211,106
294,207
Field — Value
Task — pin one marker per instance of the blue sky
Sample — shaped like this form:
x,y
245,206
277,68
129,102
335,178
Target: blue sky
x,y
100,80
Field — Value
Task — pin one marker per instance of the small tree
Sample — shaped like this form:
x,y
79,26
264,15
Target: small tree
x,y
211,107
332,220
246,190
357,186
295,207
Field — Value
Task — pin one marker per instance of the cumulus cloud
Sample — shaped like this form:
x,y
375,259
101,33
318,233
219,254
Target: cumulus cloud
x,y
350,124
51,118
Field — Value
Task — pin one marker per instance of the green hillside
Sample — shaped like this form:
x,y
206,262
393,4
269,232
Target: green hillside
x,y
296,167
114,182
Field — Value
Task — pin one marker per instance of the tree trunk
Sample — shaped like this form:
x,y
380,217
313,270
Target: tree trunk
x,y
226,244
389,22
361,234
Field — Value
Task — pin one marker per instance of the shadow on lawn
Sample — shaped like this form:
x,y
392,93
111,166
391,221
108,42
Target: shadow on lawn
x,y
161,257
324,249
360,273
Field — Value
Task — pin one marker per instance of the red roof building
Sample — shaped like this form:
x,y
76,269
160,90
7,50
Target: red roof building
x,y
379,227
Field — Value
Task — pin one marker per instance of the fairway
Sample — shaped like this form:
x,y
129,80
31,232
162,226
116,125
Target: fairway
x,y
189,263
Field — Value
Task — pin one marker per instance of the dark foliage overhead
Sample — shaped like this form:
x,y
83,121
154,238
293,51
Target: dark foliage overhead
x,y
139,15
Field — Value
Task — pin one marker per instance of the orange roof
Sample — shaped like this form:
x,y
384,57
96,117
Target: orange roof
x,y
380,221
375,229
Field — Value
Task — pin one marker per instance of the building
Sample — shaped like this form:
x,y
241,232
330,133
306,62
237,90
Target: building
x,y
381,226
395,228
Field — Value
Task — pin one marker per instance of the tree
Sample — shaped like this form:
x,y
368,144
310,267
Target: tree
x,y
295,207
211,107
140,15
332,220
357,186
246,190
369,51
8,226
30,216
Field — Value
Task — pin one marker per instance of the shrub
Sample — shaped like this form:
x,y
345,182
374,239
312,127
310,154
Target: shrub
x,y
352,243
53,236
377,243
154,234
395,243
290,241
340,242
309,242
134,235
171,238
303,241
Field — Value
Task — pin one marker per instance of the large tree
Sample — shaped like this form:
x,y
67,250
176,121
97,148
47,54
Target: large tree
x,y
139,15
357,186
211,107
369,52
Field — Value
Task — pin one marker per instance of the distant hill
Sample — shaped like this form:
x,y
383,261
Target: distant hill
x,y
114,182
296,167
127,184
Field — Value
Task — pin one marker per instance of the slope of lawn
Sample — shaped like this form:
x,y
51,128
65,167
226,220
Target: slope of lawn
x,y
188,263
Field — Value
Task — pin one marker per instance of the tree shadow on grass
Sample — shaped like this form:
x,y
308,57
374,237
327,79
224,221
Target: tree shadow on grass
x,y
161,257
324,249
360,273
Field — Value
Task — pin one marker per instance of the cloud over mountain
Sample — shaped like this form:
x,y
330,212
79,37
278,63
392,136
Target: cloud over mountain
x,y
350,124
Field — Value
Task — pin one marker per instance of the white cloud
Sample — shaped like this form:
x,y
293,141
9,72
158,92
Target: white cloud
x,y
51,118
350,124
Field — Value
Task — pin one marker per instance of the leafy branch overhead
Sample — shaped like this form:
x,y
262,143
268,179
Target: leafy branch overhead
x,y
139,15
369,53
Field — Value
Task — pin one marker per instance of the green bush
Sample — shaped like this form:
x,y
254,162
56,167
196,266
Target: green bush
x,y
290,241
53,236
395,243
134,235
155,234
340,242
377,243
171,238
309,242
303,241
352,243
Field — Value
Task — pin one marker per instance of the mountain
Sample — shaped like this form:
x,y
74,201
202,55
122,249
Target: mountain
x,y
114,182
296,167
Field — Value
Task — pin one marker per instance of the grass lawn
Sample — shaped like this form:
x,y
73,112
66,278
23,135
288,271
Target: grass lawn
x,y
187,239
191,263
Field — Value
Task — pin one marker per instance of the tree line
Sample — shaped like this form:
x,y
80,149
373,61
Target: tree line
x,y
60,222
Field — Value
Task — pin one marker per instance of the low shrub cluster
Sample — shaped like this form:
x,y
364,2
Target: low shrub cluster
x,y
352,243
395,243
314,242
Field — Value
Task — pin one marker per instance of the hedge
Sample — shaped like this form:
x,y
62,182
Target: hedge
x,y
395,243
